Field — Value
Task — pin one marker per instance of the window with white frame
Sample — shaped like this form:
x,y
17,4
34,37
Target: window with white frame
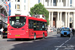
x,y
15,6
54,2
38,1
18,0
24,1
18,6
24,7
70,3
8,0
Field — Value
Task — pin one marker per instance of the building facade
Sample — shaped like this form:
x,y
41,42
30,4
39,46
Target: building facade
x,y
19,7
3,14
61,12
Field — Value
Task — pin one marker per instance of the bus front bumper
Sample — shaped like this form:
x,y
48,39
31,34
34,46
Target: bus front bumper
x,y
17,36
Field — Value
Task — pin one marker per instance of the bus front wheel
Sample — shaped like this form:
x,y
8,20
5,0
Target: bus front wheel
x,y
34,36
43,35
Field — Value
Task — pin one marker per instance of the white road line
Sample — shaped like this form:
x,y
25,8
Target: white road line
x,y
63,43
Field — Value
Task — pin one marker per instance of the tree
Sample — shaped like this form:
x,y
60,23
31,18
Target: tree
x,y
40,9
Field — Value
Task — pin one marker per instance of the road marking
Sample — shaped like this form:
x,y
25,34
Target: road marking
x,y
63,43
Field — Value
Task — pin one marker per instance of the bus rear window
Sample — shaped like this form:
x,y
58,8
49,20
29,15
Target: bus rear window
x,y
17,22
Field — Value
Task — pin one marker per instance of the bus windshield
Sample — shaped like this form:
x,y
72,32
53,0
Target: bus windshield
x,y
17,22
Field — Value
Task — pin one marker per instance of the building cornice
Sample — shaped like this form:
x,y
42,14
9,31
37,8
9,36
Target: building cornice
x,y
55,7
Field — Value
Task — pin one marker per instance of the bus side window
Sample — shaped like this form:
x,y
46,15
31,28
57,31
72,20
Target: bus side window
x,y
40,24
30,24
43,26
34,25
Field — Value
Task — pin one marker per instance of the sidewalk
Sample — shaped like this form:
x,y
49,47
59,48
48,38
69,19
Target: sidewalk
x,y
50,34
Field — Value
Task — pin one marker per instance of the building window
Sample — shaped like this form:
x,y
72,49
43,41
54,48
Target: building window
x,y
15,6
54,2
24,7
59,0
24,1
17,14
70,19
18,0
47,2
3,0
38,1
5,19
70,3
18,6
8,0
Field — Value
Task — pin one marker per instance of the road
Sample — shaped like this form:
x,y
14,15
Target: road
x,y
52,42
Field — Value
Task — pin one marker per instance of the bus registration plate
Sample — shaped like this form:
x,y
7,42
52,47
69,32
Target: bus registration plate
x,y
17,35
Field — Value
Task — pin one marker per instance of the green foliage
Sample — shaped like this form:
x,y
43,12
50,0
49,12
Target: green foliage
x,y
40,9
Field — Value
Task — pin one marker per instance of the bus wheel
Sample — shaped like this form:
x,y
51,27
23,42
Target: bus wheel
x,y
43,35
34,36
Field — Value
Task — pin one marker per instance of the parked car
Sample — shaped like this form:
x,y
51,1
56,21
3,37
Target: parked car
x,y
4,33
50,30
65,32
58,30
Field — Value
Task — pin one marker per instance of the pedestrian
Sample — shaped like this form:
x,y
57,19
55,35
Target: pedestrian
x,y
73,31
1,30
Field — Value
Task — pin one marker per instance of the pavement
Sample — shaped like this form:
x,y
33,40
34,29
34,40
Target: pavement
x,y
0,36
51,33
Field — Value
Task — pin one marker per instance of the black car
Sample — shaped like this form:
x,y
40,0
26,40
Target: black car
x,y
4,33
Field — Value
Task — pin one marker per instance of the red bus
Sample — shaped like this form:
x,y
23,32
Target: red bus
x,y
26,27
